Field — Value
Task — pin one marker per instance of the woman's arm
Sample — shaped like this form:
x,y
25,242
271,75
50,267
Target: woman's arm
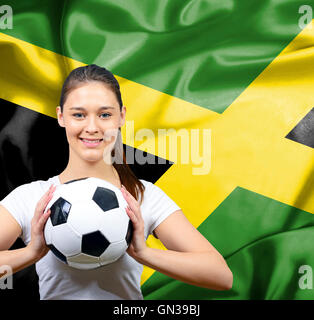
x,y
190,257
10,230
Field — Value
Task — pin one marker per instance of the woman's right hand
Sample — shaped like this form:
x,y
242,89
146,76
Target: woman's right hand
x,y
37,245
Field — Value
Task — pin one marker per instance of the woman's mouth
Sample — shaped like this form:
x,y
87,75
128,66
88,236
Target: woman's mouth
x,y
91,142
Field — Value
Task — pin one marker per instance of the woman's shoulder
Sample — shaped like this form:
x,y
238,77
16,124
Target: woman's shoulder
x,y
35,185
149,187
146,183
152,191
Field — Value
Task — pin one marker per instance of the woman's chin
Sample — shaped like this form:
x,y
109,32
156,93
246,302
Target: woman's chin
x,y
92,158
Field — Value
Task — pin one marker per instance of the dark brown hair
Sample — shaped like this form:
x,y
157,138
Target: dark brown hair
x,y
92,72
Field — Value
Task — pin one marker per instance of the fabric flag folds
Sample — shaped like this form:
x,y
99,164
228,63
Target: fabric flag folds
x,y
241,70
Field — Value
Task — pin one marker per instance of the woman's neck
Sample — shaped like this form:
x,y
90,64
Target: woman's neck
x,y
84,169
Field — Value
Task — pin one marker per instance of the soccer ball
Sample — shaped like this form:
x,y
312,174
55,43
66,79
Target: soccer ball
x,y
88,226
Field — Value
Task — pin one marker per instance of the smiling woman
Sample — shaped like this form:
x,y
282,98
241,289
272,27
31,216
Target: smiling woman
x,y
88,127
92,113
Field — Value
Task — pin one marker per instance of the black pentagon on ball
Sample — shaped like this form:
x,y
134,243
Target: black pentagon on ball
x,y
60,211
129,233
94,243
57,253
106,199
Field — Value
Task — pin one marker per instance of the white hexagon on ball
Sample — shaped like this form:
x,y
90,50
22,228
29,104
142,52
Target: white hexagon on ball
x,y
113,252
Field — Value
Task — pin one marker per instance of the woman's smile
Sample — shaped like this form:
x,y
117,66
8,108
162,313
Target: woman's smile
x,y
91,143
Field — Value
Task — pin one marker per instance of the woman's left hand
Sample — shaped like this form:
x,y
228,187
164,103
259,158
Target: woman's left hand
x,y
138,245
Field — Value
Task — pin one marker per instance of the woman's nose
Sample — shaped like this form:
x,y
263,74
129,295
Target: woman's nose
x,y
91,125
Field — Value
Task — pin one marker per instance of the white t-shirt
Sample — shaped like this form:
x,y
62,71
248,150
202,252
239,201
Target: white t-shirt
x,y
119,280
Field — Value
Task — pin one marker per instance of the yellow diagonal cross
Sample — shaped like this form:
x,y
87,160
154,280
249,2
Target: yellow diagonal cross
x,y
248,148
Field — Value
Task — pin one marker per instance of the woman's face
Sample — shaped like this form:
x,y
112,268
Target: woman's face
x,y
91,116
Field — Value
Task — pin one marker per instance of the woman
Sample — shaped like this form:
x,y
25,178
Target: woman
x,y
92,113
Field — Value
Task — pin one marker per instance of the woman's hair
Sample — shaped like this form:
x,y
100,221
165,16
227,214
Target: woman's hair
x,y
89,73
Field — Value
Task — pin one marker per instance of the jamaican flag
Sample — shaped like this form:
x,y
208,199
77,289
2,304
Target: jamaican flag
x,y
239,70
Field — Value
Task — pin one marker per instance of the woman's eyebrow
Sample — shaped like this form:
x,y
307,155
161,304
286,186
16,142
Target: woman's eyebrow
x,y
101,108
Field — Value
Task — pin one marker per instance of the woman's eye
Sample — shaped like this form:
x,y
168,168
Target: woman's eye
x,y
105,115
81,115
77,115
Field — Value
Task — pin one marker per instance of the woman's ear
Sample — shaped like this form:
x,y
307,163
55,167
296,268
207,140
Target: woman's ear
x,y
60,117
122,116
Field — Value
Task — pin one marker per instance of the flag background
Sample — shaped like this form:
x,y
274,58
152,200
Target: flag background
x,y
240,68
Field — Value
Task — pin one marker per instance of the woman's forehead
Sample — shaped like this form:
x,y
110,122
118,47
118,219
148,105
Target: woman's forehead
x,y
92,94
96,108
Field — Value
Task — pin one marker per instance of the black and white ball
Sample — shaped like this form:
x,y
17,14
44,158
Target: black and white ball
x,y
88,226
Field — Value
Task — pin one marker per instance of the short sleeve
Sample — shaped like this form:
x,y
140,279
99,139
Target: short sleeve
x,y
14,203
160,206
